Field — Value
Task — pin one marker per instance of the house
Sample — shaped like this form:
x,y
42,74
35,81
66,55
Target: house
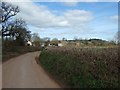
x,y
63,43
60,44
42,45
29,43
55,43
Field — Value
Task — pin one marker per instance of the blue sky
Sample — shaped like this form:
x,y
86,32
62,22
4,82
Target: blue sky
x,y
69,20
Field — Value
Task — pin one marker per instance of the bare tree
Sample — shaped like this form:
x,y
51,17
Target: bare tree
x,y
1,12
117,37
36,39
8,11
64,39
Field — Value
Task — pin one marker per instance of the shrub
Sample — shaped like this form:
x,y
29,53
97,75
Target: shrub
x,y
82,67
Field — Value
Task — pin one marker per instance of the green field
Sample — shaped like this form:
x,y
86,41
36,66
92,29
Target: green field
x,y
82,67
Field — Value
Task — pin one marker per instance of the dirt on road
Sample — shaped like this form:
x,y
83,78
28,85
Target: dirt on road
x,y
24,72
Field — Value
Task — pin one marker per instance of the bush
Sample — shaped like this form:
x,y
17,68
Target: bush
x,y
82,67
11,49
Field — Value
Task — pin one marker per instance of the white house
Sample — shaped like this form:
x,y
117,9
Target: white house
x,y
43,45
60,44
29,43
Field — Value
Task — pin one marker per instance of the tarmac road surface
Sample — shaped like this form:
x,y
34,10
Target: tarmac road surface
x,y
24,72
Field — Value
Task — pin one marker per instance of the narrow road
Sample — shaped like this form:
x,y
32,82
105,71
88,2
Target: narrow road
x,y
24,72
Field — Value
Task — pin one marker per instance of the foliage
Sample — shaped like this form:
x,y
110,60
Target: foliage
x,y
8,11
36,39
10,49
46,40
13,29
82,67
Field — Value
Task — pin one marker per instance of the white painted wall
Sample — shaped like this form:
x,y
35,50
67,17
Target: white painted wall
x,y
30,43
60,44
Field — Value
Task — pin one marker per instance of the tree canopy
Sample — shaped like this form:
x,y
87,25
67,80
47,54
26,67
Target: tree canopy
x,y
16,29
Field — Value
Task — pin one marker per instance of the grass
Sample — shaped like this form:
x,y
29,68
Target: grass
x,y
82,67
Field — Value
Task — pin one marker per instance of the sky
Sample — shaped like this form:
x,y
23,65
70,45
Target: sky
x,y
71,19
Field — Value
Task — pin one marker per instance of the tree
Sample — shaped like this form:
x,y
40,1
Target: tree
x,y
46,41
117,37
1,12
15,29
19,31
64,39
36,39
55,41
76,38
8,11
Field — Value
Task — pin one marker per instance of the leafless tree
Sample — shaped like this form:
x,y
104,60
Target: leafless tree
x,y
117,37
8,11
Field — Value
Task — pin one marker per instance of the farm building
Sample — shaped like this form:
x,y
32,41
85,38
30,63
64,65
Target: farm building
x,y
57,43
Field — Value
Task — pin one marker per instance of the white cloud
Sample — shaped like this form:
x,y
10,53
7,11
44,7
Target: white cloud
x,y
114,18
40,16
75,2
78,17
64,23
70,3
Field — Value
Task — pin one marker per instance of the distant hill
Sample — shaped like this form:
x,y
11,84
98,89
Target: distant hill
x,y
90,40
98,40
